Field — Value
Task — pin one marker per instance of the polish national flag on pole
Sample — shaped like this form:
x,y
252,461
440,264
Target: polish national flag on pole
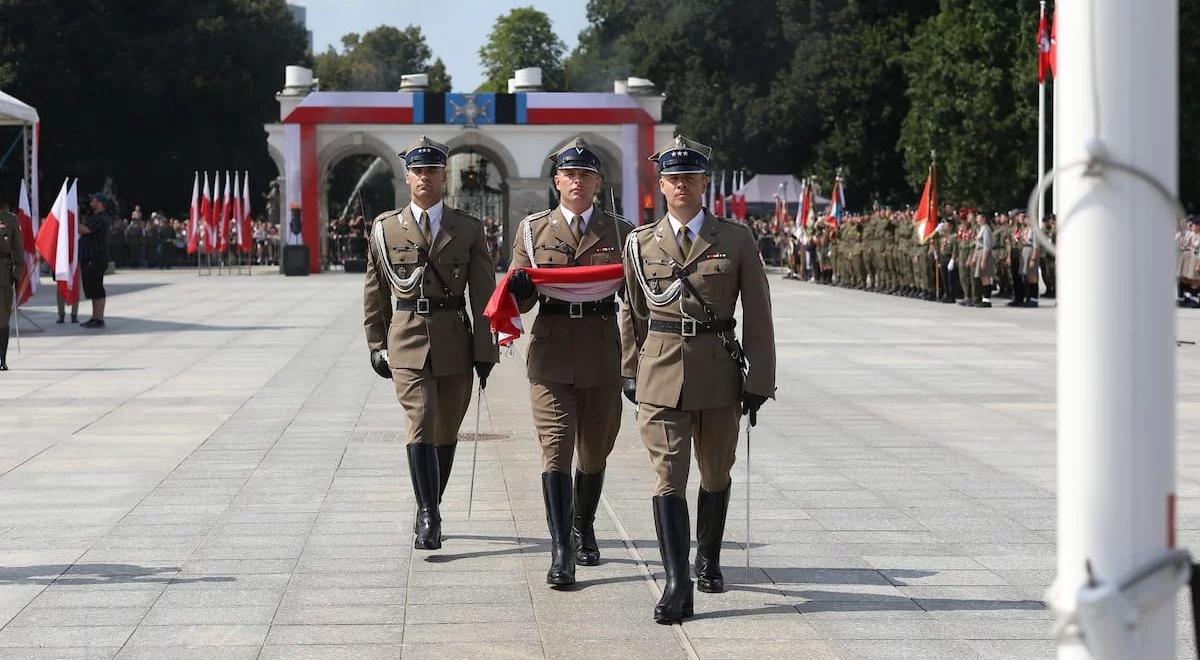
x,y
58,242
244,234
574,284
719,201
223,218
193,227
27,225
206,217
235,215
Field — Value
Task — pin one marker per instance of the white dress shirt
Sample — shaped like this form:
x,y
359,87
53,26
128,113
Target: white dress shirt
x,y
694,225
435,217
586,217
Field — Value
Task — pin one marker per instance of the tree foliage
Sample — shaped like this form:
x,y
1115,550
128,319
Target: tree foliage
x,y
519,39
147,93
376,60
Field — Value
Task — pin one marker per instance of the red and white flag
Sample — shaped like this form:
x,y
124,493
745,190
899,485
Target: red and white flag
x,y
235,215
739,197
572,284
58,242
27,225
193,227
244,234
206,216
1043,40
805,212
223,211
719,200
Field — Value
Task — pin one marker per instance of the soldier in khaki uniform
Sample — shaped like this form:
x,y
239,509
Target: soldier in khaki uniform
x,y
574,362
427,256
684,275
12,269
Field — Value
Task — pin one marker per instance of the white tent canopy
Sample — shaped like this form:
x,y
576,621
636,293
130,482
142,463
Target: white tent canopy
x,y
13,111
762,189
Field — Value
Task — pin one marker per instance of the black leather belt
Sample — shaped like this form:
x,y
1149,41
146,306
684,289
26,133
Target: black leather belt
x,y
428,306
692,327
578,310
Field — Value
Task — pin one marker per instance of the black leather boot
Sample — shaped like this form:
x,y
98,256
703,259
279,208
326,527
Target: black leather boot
x,y
445,457
583,535
4,349
710,531
423,468
556,492
674,542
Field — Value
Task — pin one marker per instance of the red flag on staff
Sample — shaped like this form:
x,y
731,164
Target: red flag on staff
x,y
25,224
193,227
805,212
925,220
833,217
58,242
573,284
1043,41
206,216
223,217
739,196
235,215
244,233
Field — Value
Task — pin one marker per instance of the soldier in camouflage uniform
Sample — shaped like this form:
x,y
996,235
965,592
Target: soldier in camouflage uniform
x,y
962,259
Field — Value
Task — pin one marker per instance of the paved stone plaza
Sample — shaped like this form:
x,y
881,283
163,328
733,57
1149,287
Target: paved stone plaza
x,y
219,474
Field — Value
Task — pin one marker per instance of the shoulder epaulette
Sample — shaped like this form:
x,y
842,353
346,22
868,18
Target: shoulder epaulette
x,y
463,214
535,216
387,214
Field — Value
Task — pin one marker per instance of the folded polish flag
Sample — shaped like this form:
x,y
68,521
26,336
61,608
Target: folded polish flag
x,y
572,284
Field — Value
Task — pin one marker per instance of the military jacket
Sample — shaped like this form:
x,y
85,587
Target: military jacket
x,y
697,372
456,264
585,352
12,261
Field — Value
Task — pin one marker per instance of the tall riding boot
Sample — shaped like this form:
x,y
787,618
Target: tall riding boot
x,y
710,531
445,456
583,534
3,349
423,468
556,492
674,543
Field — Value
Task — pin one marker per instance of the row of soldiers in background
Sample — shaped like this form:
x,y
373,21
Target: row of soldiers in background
x,y
157,243
1187,263
882,252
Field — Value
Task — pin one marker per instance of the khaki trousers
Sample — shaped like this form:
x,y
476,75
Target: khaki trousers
x,y
669,434
570,419
434,406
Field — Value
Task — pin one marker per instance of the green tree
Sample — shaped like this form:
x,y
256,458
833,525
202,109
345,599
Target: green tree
x,y
972,85
522,38
147,93
375,61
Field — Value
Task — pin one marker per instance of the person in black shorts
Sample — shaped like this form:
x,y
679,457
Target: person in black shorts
x,y
93,255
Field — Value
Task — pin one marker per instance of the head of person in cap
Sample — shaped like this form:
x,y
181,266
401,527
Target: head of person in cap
x,y
683,175
98,202
577,175
425,170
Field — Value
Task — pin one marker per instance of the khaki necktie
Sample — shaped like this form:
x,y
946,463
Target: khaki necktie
x,y
685,241
576,224
425,229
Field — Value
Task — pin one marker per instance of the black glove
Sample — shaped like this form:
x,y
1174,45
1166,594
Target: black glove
x,y
751,402
482,369
629,389
380,364
520,285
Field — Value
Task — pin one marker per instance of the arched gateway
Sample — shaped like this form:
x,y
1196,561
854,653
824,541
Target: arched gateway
x,y
507,136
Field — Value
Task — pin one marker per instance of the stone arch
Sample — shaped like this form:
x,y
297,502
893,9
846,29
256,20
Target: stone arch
x,y
495,151
353,143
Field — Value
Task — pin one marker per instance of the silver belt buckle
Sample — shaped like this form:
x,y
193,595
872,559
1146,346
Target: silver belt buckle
x,y
687,327
575,310
422,305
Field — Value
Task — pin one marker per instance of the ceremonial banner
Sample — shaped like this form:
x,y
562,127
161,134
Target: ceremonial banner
x,y
206,216
573,284
25,224
833,216
245,233
925,220
193,227
58,242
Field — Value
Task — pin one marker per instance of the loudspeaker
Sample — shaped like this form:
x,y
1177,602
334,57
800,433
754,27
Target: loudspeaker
x,y
355,265
295,260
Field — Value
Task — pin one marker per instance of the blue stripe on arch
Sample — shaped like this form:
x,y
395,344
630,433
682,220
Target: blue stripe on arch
x,y
418,108
521,115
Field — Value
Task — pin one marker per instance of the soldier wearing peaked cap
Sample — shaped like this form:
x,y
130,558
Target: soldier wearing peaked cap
x,y
574,362
684,277
430,259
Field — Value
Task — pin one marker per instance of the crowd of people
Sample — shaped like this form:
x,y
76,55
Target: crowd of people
x,y
161,242
970,257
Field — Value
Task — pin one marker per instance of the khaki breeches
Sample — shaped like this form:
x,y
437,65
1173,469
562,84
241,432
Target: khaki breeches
x,y
434,406
669,434
570,419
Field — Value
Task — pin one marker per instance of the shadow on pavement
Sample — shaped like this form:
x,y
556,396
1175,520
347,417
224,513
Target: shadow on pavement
x,y
90,574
